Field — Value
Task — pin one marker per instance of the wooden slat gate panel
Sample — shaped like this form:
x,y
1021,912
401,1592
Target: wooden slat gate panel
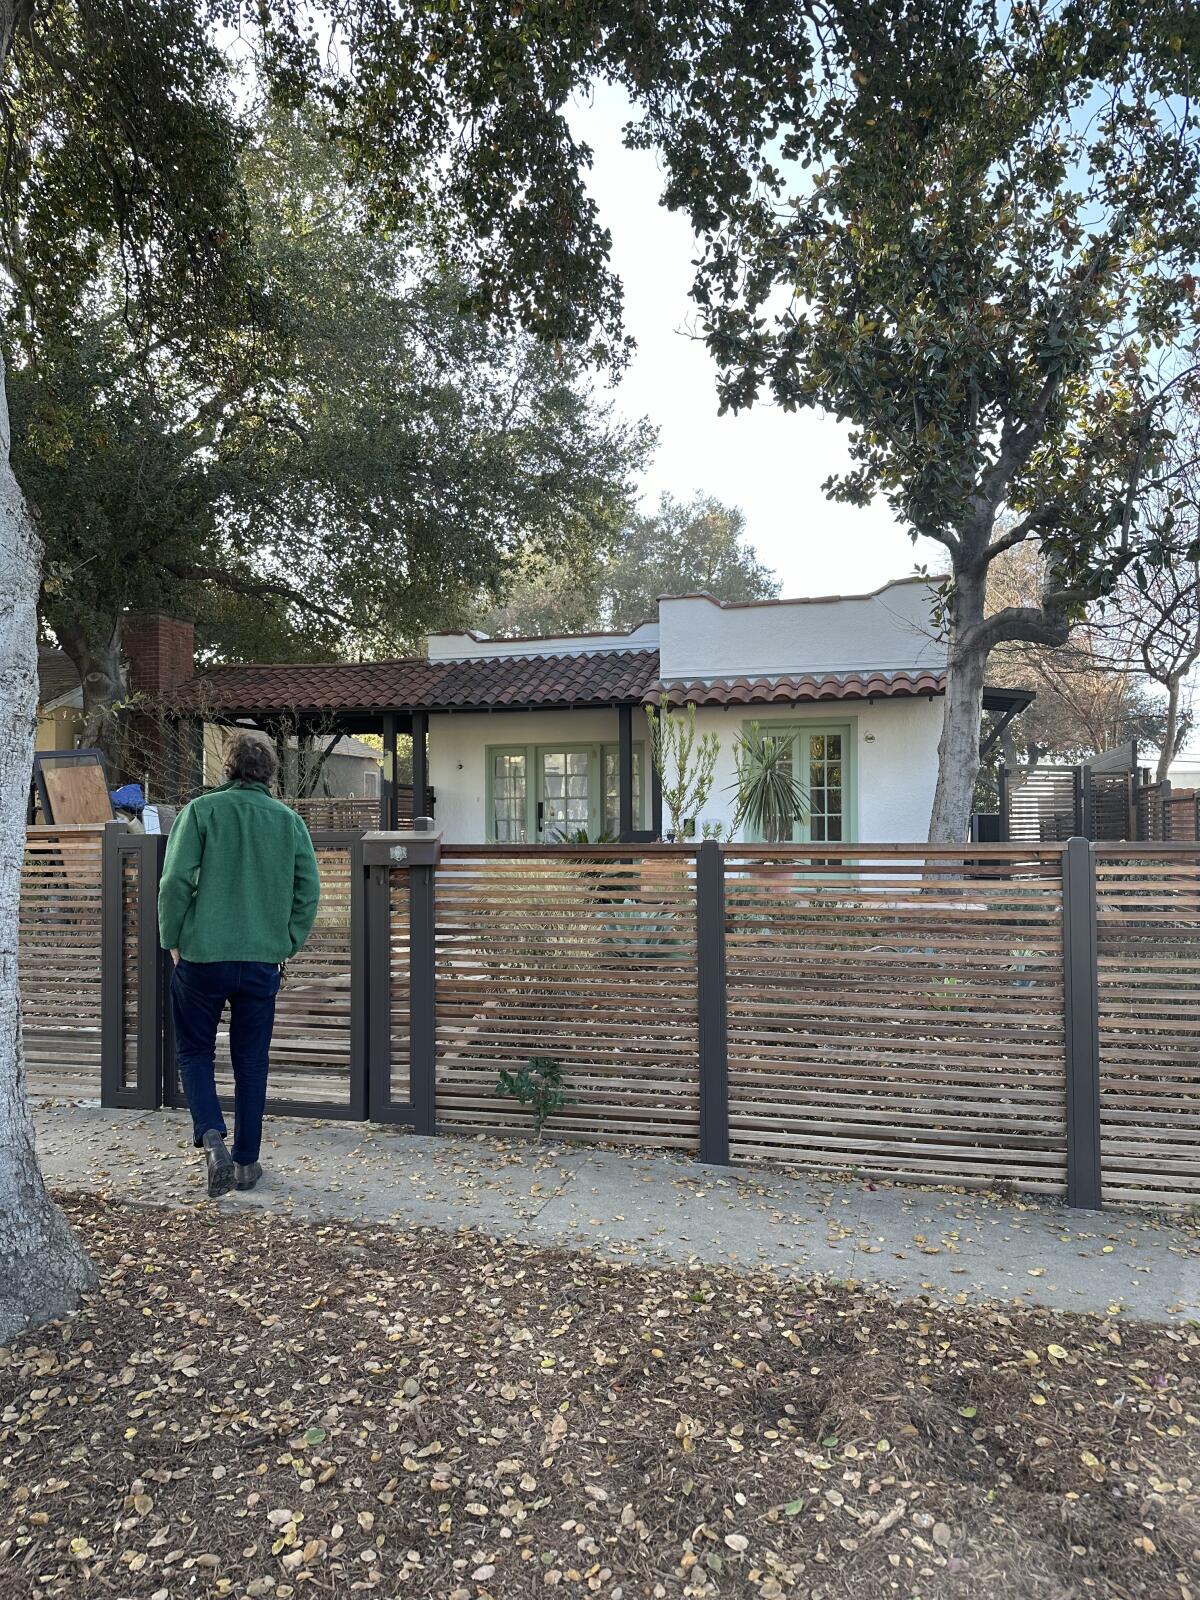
x,y
318,1050
899,1014
60,955
1148,944
588,957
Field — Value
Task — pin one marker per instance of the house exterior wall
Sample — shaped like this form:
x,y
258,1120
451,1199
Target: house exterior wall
x,y
700,638
457,756
58,729
893,759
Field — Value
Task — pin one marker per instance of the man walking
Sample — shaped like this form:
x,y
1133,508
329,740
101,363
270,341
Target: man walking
x,y
237,899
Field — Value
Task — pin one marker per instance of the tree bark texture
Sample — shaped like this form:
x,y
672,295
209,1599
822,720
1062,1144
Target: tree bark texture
x,y
1171,731
42,1268
958,748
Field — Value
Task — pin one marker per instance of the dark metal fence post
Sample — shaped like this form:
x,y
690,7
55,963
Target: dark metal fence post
x,y
148,1091
112,968
1081,1004
1085,802
423,1023
377,919
713,1032
1005,800
360,1083
145,1093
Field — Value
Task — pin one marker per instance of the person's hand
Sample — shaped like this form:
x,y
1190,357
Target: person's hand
x,y
175,957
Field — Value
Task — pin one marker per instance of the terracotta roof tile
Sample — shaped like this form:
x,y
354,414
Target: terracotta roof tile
x,y
597,677
767,691
594,677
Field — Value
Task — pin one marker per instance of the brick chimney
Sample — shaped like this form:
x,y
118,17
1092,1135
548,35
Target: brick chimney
x,y
160,651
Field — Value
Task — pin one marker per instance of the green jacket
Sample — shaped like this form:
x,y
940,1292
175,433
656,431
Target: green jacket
x,y
240,879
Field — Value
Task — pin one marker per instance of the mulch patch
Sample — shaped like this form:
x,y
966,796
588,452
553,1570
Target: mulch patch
x,y
250,1407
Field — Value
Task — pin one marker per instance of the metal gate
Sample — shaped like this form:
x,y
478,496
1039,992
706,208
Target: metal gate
x,y
318,1050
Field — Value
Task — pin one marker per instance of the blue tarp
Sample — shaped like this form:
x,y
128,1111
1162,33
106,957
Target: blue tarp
x,y
128,797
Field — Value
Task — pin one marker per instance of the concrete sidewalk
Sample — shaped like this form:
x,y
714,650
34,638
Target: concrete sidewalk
x,y
654,1209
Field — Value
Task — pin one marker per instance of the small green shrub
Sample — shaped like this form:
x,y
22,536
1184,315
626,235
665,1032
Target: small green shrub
x,y
538,1085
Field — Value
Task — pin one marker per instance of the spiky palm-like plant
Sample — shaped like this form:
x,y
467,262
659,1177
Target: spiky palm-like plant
x,y
770,800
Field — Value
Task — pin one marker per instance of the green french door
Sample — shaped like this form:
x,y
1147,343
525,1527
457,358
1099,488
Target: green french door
x,y
822,763
565,799
542,793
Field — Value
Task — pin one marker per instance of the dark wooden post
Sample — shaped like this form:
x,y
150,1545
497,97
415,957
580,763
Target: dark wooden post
x,y
713,1031
1085,802
388,810
625,773
145,850
420,763
655,802
377,921
1002,778
112,967
1081,1004
360,1082
423,1014
404,862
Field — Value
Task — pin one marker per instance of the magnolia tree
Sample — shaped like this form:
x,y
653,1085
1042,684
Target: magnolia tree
x,y
976,248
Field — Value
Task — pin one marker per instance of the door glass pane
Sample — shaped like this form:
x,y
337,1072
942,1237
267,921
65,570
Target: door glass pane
x,y
612,792
825,787
509,793
566,791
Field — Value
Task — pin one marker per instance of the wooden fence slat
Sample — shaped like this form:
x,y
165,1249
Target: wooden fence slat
x,y
59,947
1148,942
847,996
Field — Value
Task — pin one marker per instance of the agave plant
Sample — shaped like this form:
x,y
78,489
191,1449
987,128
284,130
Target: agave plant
x,y
770,801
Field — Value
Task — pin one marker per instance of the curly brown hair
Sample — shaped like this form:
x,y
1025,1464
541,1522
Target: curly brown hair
x,y
250,759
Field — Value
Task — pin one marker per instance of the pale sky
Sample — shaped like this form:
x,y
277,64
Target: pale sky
x,y
769,463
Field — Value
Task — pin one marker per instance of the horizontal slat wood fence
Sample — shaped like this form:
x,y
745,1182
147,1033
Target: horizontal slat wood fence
x,y
1148,958
900,1017
60,959
1024,1014
588,959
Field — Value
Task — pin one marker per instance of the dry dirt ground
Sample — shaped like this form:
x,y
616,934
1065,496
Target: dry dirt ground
x,y
249,1406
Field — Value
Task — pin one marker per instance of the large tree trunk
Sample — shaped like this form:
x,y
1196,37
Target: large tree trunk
x,y
1171,731
958,748
103,673
42,1268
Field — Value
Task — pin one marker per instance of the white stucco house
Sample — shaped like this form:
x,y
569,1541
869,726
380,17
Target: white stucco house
x,y
523,739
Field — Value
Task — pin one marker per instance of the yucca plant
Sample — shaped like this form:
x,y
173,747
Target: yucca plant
x,y
770,800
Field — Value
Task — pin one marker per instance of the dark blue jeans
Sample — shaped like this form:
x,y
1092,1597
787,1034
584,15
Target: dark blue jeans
x,y
199,990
